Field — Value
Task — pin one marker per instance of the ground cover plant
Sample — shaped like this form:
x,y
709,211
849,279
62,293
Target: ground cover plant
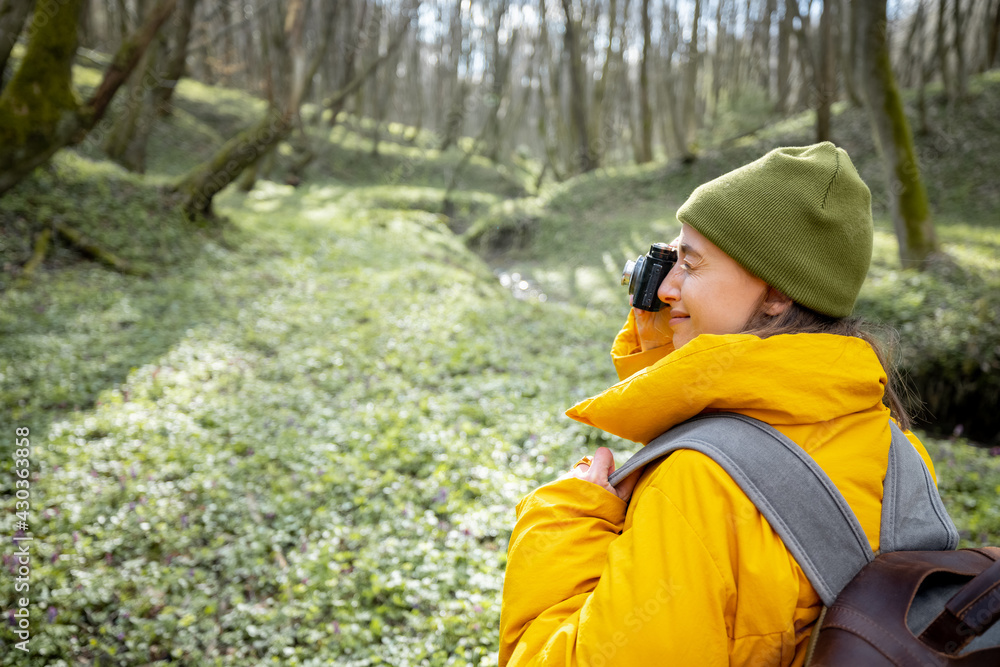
x,y
322,470
301,440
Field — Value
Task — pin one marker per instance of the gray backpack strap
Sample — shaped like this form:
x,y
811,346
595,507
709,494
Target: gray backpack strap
x,y
799,500
913,515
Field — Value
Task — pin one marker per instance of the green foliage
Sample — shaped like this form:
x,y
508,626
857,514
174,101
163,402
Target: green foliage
x,y
116,209
315,454
969,481
302,442
949,345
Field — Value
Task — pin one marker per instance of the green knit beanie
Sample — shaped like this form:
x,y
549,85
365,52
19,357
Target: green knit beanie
x,y
799,219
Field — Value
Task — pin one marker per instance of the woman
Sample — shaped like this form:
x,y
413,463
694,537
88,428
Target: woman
x,y
676,565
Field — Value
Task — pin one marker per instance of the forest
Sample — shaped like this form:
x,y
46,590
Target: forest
x,y
295,293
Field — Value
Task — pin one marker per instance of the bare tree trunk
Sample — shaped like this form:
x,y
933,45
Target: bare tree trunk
x,y
43,86
942,50
498,82
721,31
907,198
373,89
455,117
919,20
826,79
645,153
586,157
336,103
126,142
617,108
765,45
672,31
961,74
909,62
784,60
337,100
690,89
805,52
599,106
13,13
993,42
546,94
226,57
415,75
173,70
382,95
849,53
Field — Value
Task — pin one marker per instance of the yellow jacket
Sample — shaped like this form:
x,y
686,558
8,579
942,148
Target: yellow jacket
x,y
689,572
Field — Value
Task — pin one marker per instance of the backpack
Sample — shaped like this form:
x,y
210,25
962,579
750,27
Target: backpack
x,y
917,602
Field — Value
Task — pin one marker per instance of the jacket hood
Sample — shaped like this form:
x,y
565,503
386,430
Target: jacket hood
x,y
782,380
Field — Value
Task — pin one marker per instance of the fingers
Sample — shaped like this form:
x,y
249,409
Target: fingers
x,y
603,465
627,485
598,468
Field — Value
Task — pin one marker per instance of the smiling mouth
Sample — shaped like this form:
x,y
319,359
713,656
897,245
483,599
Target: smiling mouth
x,y
677,318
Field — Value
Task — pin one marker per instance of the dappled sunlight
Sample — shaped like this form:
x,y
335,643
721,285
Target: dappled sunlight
x,y
292,427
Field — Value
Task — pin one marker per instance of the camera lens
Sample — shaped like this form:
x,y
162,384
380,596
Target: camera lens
x,y
627,273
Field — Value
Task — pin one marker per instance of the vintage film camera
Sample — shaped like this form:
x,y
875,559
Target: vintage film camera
x,y
644,275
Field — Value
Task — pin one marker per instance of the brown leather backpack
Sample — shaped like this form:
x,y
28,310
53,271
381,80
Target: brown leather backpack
x,y
915,608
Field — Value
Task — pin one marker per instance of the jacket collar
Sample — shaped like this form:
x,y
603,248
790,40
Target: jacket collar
x,y
784,379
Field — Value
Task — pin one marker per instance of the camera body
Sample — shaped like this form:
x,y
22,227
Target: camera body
x,y
644,275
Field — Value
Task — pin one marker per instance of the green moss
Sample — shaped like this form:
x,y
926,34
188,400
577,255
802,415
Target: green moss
x,y
913,197
40,94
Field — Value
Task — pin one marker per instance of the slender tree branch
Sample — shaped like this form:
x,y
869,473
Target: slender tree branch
x,y
125,60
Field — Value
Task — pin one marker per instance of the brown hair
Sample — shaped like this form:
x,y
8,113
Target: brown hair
x,y
799,319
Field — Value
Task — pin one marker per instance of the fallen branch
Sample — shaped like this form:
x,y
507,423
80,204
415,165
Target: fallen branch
x,y
41,249
94,251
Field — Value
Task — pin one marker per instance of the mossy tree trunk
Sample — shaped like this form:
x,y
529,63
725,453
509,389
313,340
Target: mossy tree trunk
x,y
39,111
908,204
13,14
200,185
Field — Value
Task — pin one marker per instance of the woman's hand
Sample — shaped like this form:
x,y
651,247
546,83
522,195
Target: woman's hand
x,y
601,466
653,329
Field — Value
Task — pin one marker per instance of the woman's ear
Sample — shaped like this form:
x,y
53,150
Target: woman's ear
x,y
775,302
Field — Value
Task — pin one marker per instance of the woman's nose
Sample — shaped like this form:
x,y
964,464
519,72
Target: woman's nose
x,y
669,290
